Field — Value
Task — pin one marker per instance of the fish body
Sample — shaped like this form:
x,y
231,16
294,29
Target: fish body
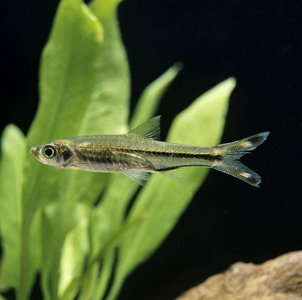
x,y
139,153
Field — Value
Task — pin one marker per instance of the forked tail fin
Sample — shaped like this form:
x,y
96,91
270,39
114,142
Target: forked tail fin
x,y
231,153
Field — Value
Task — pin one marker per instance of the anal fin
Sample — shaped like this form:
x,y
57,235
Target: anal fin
x,y
174,174
140,177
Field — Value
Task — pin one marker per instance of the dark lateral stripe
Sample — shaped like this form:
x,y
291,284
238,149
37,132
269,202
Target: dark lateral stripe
x,y
209,157
169,169
177,167
107,156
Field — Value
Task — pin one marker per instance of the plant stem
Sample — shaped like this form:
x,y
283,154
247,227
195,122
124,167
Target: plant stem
x,y
22,295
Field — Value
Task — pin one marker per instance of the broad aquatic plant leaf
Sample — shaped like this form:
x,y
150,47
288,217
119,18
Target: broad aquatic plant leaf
x,y
113,81
114,199
74,251
149,100
67,79
163,200
11,179
108,109
107,114
110,212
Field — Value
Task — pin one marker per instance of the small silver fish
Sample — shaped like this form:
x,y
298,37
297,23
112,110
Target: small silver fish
x,y
139,153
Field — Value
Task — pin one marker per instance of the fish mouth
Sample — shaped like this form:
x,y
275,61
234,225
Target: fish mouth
x,y
34,152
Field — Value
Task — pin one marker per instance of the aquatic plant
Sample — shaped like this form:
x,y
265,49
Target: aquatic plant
x,y
53,221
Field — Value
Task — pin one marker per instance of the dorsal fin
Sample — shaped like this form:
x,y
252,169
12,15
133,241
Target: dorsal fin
x,y
148,130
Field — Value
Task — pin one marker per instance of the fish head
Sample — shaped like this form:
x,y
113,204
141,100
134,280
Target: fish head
x,y
56,154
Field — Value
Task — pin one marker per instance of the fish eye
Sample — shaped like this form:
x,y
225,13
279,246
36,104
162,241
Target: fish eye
x,y
49,151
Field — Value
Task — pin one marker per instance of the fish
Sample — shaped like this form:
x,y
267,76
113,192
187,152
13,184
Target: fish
x,y
139,153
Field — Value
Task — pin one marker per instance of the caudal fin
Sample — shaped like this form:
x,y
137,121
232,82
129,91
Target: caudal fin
x,y
232,152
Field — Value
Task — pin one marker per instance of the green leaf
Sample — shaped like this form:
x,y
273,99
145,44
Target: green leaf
x,y
74,250
104,276
107,254
113,82
110,212
69,67
70,63
114,202
2,298
148,102
11,180
109,107
163,200
106,112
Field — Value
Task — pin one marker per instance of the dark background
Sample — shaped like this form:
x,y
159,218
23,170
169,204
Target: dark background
x,y
258,42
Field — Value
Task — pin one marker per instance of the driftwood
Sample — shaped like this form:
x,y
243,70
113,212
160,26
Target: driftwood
x,y
276,279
